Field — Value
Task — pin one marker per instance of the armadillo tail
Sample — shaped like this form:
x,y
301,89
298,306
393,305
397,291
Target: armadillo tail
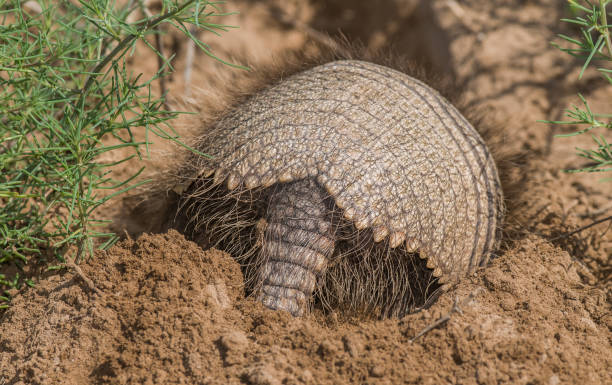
x,y
297,244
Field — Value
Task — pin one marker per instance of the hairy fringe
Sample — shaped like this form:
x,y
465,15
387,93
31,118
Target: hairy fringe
x,y
363,277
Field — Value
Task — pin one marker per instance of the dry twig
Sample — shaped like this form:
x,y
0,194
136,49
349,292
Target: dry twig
x,y
456,308
609,218
596,213
69,263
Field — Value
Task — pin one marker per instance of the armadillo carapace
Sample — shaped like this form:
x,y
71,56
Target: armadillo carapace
x,y
342,174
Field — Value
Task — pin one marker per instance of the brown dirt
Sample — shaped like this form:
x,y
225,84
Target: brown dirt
x,y
165,311
170,312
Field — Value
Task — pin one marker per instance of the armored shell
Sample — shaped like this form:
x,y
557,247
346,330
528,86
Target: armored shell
x,y
394,155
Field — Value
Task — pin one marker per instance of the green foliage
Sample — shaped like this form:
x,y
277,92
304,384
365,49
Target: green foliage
x,y
65,90
594,47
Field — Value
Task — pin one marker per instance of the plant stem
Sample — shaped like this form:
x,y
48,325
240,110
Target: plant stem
x,y
144,26
604,23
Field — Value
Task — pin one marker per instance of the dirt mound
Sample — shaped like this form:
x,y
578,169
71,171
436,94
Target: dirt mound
x,y
168,312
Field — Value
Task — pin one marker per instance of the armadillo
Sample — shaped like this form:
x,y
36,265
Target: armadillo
x,y
350,182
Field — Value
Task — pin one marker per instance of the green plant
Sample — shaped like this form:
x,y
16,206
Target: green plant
x,y
594,46
68,97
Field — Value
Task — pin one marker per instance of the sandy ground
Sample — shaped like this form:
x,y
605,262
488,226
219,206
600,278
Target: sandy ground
x,y
160,309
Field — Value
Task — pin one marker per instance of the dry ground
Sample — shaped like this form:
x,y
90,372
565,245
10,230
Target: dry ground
x,y
169,312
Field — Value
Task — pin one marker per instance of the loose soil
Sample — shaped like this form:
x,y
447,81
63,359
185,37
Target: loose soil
x,y
158,308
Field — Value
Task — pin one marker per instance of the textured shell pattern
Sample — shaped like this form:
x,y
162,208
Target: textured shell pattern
x,y
392,152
